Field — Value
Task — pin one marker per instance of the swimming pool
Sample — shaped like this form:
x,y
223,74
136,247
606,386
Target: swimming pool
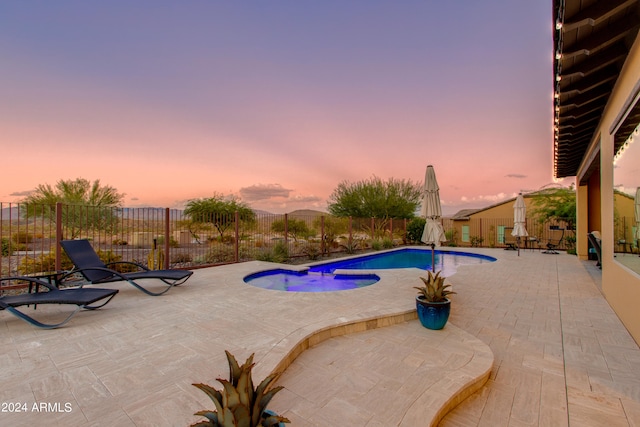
x,y
445,261
321,277
302,281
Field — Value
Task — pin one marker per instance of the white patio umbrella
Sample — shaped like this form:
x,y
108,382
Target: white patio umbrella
x,y
519,220
433,233
637,215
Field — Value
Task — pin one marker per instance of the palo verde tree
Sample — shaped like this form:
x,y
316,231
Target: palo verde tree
x,y
376,198
88,206
555,204
219,211
296,228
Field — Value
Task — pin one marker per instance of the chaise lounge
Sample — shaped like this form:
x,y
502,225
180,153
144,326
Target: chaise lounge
x,y
594,239
88,263
81,297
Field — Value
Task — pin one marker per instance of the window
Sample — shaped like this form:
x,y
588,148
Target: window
x,y
465,233
501,229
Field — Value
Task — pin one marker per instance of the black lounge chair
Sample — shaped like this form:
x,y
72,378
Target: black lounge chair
x,y
88,263
595,242
554,242
81,297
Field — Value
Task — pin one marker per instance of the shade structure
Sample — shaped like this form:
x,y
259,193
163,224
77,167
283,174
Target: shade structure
x,y
519,219
433,233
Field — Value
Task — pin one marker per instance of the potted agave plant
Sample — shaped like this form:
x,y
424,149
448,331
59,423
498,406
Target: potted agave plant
x,y
239,403
432,303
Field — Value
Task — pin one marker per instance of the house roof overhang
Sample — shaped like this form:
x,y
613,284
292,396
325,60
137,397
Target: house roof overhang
x,y
592,39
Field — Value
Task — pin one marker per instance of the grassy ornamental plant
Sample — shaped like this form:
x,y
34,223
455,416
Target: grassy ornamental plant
x,y
434,289
239,403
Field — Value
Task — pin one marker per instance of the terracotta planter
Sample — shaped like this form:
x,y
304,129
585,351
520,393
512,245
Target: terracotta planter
x,y
433,315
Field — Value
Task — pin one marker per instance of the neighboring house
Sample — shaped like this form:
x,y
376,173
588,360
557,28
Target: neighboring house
x,y
491,226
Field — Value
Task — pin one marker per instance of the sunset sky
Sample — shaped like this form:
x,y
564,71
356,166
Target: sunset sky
x,y
276,102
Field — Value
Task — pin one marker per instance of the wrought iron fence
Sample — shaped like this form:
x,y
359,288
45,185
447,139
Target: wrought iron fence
x,y
166,238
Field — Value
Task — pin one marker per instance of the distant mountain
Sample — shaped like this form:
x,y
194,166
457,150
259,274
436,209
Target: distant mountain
x,y
12,213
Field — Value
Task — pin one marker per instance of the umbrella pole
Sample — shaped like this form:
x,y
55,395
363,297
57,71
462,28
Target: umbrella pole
x,y
433,257
518,243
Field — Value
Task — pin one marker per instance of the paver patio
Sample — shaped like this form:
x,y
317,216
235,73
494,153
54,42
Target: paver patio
x,y
558,354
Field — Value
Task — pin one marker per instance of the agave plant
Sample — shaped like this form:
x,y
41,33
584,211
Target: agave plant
x,y
239,403
434,289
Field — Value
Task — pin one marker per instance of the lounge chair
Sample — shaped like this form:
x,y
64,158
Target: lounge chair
x,y
594,239
88,263
557,234
81,297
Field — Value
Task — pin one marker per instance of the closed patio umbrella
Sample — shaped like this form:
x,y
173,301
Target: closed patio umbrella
x,y
519,220
433,233
637,215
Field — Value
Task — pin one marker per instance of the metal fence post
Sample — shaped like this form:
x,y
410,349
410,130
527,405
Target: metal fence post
x,y
167,237
58,236
323,237
350,232
237,239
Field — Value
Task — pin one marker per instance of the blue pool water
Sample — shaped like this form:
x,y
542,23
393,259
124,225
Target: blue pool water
x,y
446,261
293,281
320,277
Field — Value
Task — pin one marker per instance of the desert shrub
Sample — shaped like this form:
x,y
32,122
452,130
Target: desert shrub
x,y
42,263
452,237
279,253
415,227
181,258
476,241
570,243
312,251
172,242
352,246
7,248
120,242
22,237
281,250
376,244
219,254
387,243
108,257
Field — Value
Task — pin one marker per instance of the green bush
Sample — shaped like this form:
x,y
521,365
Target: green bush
x,y
312,251
7,248
219,254
476,241
181,258
42,263
415,227
22,237
281,250
387,243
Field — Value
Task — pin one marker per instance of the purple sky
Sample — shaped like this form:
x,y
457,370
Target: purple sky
x,y
276,102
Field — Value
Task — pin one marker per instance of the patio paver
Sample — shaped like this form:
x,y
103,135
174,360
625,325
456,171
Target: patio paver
x,y
560,356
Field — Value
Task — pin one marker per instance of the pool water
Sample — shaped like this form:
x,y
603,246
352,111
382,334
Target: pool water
x,y
321,277
445,261
293,281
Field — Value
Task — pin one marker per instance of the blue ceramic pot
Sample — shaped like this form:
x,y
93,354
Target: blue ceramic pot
x,y
433,315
